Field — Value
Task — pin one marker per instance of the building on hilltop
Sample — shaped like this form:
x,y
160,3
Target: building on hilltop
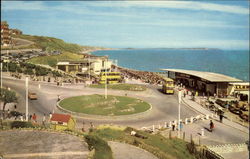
x,y
16,32
5,34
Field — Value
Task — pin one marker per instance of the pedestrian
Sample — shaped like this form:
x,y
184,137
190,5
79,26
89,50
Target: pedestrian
x,y
44,119
181,126
34,117
50,116
83,123
21,117
196,93
184,93
8,113
91,125
211,125
173,126
221,117
30,117
58,98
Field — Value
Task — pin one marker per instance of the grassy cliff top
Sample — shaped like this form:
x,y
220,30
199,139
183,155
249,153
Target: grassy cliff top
x,y
51,44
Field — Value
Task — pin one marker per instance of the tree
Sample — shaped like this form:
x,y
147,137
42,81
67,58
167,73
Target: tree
x,y
7,97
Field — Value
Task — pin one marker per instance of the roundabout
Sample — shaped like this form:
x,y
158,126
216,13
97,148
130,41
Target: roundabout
x,y
97,105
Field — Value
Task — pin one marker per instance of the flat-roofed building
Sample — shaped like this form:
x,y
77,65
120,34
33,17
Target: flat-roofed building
x,y
240,89
93,65
207,82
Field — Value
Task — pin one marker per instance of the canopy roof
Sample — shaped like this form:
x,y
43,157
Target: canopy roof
x,y
209,76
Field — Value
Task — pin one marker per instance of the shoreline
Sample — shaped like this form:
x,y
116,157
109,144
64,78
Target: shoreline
x,y
97,49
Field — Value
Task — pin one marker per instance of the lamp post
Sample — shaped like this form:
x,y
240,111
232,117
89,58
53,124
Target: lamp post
x,y
1,75
89,66
106,90
27,87
7,60
179,113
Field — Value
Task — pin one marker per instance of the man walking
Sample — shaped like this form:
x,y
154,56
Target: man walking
x,y
211,125
221,117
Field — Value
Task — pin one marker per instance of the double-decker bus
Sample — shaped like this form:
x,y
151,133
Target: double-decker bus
x,y
112,77
168,86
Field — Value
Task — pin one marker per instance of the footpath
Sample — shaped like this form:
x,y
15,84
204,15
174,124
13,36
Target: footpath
x,y
197,107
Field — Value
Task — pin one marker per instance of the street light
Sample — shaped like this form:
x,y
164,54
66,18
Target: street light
x,y
7,60
89,66
26,84
106,90
1,74
179,113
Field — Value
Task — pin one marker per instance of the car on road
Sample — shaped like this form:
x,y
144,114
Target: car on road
x,y
32,96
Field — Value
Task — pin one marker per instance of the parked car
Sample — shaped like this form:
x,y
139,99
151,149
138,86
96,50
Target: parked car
x,y
32,96
222,103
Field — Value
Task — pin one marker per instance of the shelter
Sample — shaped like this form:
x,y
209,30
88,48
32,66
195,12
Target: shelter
x,y
62,122
207,82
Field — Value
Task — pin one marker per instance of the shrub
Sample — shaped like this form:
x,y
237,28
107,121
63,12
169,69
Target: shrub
x,y
102,149
21,124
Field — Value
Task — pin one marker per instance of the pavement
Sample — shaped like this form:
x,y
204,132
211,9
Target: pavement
x,y
187,100
30,144
127,151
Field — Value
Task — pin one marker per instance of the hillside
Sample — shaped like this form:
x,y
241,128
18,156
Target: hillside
x,y
53,59
51,44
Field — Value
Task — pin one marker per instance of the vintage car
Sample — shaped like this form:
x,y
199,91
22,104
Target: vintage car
x,y
32,96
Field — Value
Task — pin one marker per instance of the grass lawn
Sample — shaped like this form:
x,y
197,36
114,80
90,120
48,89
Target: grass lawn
x,y
52,60
128,87
158,145
97,105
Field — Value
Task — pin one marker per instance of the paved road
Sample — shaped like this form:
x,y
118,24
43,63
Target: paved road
x,y
126,151
164,109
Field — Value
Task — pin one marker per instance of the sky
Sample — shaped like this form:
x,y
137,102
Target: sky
x,y
135,24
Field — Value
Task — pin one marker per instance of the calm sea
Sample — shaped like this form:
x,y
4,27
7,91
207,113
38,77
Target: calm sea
x,y
232,63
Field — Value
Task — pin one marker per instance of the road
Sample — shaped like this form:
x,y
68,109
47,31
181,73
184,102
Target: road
x,y
164,107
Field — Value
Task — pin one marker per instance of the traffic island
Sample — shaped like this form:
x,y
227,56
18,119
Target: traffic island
x,y
123,86
98,105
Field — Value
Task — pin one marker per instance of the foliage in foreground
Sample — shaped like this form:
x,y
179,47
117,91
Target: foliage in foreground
x,y
156,144
102,149
21,124
7,96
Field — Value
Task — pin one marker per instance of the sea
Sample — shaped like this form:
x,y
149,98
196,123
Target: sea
x,y
234,63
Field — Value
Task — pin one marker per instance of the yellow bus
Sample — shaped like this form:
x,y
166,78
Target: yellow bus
x,y
112,77
168,86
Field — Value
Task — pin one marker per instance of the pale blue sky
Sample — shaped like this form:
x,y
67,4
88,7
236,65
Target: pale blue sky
x,y
138,24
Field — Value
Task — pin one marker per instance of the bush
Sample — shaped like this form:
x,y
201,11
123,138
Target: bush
x,y
15,113
29,71
102,149
21,124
